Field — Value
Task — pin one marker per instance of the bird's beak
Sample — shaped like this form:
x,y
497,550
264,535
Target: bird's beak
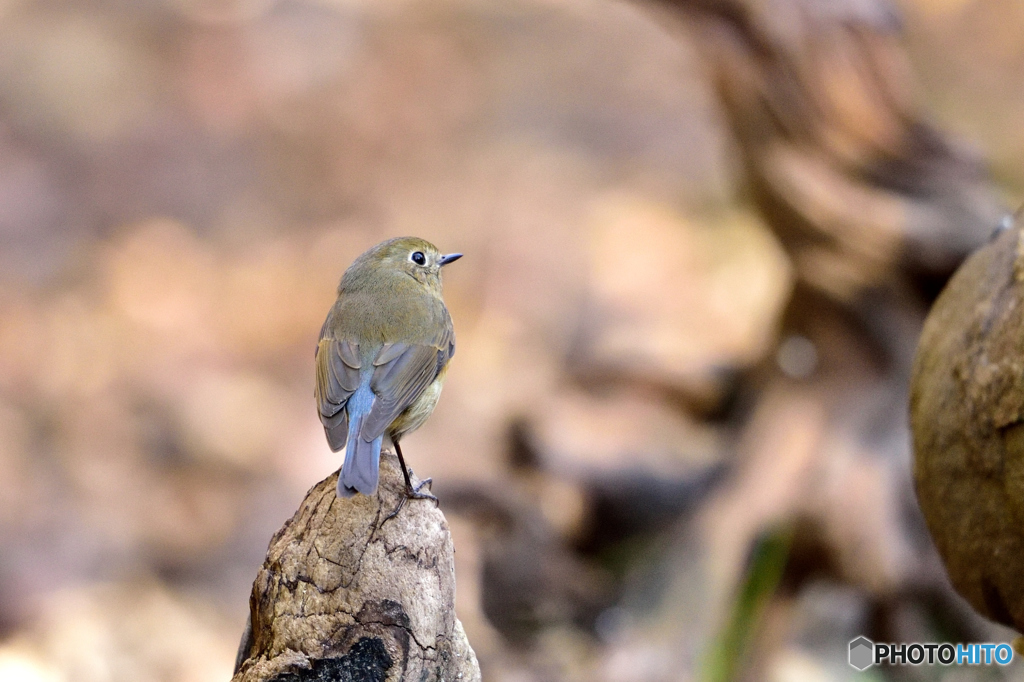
x,y
450,258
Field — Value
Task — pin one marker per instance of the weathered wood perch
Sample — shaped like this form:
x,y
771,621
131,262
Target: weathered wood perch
x,y
345,595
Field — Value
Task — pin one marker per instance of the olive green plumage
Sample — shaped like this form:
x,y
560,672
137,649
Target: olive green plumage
x,y
383,354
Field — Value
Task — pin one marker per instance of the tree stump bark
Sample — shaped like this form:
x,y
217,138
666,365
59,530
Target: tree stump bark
x,y
348,595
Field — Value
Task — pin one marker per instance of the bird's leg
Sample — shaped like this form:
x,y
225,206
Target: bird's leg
x,y
411,492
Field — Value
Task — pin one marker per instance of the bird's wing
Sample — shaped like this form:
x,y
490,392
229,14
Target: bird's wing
x,y
337,378
401,372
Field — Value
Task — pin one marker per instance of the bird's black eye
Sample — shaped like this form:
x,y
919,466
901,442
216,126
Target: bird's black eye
x,y
418,258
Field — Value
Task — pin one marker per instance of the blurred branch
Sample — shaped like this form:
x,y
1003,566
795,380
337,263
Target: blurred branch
x,y
845,166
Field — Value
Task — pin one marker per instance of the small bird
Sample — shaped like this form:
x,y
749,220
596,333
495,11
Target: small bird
x,y
382,357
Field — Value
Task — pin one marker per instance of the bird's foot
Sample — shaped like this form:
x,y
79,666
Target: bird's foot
x,y
413,493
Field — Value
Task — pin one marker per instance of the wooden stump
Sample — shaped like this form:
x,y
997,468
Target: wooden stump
x,y
346,595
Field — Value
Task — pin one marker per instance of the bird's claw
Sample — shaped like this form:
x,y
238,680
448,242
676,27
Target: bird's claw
x,y
413,493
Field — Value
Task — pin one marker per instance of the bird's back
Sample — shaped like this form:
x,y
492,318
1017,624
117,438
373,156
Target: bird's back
x,y
389,307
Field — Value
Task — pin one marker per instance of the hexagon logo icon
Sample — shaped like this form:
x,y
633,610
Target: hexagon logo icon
x,y
862,653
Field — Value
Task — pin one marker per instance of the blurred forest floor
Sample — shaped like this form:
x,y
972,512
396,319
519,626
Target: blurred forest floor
x,y
700,240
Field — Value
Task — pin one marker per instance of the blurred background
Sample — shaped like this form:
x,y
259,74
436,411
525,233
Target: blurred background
x,y
701,237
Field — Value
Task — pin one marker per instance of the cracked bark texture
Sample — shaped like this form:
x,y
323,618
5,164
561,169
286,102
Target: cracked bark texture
x,y
967,416
345,596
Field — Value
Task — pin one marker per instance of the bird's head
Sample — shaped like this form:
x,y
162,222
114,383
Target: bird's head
x,y
410,256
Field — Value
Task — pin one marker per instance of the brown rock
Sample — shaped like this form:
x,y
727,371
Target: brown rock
x,y
346,591
967,415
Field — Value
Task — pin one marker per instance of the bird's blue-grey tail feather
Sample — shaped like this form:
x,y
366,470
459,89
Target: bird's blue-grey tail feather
x,y
361,469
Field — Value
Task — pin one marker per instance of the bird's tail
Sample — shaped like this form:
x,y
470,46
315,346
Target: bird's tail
x,y
361,469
